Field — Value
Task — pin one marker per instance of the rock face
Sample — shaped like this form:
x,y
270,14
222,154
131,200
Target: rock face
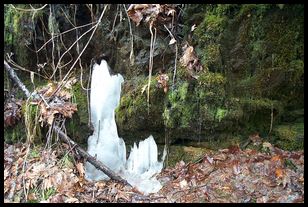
x,y
252,59
247,52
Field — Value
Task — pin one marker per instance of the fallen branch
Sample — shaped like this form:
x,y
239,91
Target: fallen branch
x,y
15,78
99,165
96,163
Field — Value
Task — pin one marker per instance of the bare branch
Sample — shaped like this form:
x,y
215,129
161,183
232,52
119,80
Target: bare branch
x,y
28,10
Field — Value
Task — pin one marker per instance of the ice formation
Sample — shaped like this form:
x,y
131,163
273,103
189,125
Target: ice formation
x,y
142,165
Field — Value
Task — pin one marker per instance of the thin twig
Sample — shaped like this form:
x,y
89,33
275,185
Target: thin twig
x,y
28,10
47,105
114,21
72,67
131,55
64,33
9,60
176,57
59,61
50,27
23,172
152,46
88,97
272,118
78,52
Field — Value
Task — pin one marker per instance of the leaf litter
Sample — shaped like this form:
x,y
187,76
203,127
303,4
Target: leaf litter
x,y
226,175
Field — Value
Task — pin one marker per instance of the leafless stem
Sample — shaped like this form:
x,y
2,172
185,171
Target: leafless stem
x,y
131,55
72,67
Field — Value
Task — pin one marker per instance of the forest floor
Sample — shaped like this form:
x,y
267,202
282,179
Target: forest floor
x,y
228,175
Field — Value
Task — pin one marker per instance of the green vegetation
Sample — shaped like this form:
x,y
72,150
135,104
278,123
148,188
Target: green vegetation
x,y
67,161
15,134
41,195
290,137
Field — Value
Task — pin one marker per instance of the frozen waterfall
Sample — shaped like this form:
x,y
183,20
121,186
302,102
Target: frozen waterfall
x,y
141,166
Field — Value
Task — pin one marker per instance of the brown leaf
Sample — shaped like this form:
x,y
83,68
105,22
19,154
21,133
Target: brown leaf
x,y
279,172
140,6
276,158
12,112
56,199
236,169
135,14
190,60
162,80
183,184
80,169
188,56
48,90
47,183
32,196
64,95
71,200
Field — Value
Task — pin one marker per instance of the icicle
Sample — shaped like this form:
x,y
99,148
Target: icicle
x,y
106,146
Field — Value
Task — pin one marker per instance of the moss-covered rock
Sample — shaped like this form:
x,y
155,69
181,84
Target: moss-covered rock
x,y
77,126
290,136
185,153
134,113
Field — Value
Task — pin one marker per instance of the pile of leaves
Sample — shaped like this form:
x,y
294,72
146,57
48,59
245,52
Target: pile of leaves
x,y
233,175
12,112
54,104
30,173
227,175
152,13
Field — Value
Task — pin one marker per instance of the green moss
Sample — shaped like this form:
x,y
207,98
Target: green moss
x,y
34,152
220,114
213,24
179,114
77,127
290,137
67,161
15,134
80,97
211,79
257,104
259,49
258,9
32,125
187,154
132,113
48,192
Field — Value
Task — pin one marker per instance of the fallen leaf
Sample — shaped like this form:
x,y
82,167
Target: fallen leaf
x,y
236,169
183,183
71,200
279,173
276,158
80,169
209,159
